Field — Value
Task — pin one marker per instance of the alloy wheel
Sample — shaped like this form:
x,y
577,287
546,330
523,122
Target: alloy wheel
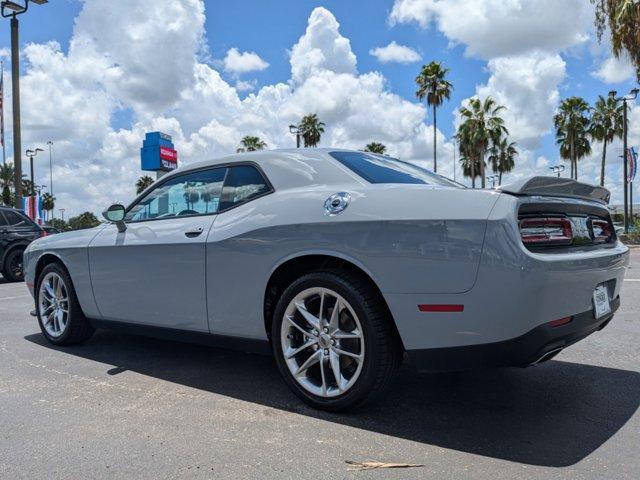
x,y
322,342
53,304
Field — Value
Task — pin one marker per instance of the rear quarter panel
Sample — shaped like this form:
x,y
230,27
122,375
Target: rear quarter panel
x,y
409,239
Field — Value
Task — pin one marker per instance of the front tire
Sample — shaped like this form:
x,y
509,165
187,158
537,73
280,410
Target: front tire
x,y
333,340
59,314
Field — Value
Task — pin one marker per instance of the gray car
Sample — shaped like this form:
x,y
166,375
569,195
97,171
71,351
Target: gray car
x,y
339,263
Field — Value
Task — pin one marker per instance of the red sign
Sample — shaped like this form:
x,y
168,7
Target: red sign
x,y
169,157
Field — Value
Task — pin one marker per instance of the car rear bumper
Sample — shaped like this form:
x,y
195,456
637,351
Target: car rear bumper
x,y
538,345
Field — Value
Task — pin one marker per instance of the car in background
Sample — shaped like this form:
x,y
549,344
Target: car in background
x,y
16,232
340,262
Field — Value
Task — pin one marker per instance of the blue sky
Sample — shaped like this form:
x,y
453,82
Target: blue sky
x,y
529,58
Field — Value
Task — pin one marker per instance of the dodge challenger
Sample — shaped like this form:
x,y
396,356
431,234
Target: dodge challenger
x,y
341,264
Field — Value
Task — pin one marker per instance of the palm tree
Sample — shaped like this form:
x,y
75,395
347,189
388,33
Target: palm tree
x,y
375,147
311,129
48,203
482,126
502,156
433,86
143,183
191,194
251,144
572,128
7,176
621,18
606,124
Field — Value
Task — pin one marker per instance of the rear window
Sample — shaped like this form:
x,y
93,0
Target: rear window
x,y
243,183
382,169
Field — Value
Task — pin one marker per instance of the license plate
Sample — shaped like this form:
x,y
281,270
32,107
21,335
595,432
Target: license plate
x,y
601,305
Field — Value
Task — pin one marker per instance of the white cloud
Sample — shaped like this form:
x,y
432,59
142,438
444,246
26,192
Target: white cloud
x,y
395,52
71,97
321,48
614,70
246,85
491,28
528,86
243,62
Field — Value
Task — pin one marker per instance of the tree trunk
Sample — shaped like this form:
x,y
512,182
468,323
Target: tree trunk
x,y
604,157
435,161
500,178
573,162
473,173
482,177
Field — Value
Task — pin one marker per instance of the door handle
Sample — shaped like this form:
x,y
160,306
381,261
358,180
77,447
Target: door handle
x,y
193,232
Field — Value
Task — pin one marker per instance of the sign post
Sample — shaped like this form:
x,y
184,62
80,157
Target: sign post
x,y
158,153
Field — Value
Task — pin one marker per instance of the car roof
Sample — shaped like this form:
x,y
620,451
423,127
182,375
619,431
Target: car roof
x,y
289,168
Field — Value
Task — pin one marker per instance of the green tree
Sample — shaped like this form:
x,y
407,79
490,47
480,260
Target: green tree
x,y
59,224
7,176
572,130
48,203
433,86
251,144
482,126
502,157
82,221
606,124
311,129
621,18
143,183
375,147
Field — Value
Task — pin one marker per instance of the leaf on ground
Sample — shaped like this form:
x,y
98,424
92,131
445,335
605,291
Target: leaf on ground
x,y
370,465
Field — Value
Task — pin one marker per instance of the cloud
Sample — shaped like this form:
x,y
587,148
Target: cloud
x,y
528,86
243,62
491,28
71,98
246,85
395,52
614,70
321,48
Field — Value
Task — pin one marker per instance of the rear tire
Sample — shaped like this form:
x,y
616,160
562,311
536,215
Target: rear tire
x,y
59,314
362,327
13,268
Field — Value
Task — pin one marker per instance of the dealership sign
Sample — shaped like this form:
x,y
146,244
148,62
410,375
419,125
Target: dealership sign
x,y
158,153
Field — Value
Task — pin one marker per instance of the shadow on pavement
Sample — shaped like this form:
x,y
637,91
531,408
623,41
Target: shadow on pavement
x,y
553,414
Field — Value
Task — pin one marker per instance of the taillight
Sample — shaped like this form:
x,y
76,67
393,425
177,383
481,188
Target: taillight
x,y
546,231
602,231
43,233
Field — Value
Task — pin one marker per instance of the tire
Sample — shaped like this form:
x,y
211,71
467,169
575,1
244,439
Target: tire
x,y
13,271
76,329
362,314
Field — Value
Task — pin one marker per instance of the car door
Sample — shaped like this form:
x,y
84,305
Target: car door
x,y
153,273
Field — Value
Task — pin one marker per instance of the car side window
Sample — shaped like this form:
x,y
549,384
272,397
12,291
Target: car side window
x,y
194,193
14,219
243,183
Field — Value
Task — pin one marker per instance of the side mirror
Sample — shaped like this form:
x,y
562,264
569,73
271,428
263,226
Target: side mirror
x,y
115,214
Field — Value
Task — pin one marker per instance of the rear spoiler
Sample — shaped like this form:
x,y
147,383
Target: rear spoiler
x,y
557,187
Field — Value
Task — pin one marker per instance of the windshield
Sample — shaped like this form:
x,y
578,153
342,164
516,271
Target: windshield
x,y
376,168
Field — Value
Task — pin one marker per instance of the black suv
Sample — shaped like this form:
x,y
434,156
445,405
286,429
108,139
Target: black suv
x,y
16,232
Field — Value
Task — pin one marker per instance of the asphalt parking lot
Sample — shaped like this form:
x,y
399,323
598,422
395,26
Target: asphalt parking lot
x,y
131,407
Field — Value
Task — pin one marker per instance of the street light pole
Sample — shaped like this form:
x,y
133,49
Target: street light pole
x,y
557,169
12,9
50,143
32,153
295,129
62,213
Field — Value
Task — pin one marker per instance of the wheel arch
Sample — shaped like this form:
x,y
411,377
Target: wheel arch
x,y
47,259
19,245
291,268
